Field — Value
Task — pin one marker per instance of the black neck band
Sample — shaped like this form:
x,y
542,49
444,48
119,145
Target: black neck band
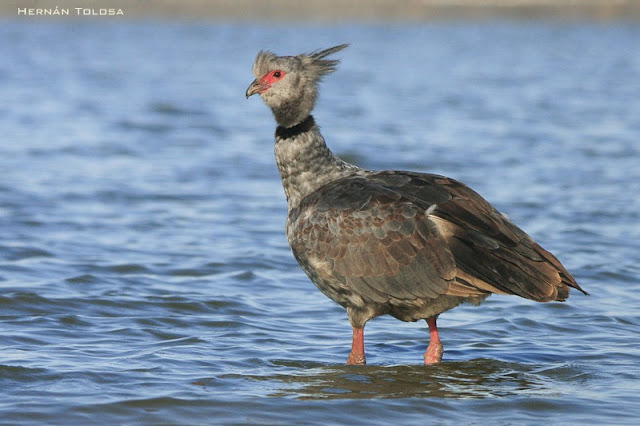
x,y
292,132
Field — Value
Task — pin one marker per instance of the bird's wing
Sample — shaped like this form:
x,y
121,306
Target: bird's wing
x,y
490,252
380,244
403,235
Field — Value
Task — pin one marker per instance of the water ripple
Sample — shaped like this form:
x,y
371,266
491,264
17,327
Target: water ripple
x,y
145,276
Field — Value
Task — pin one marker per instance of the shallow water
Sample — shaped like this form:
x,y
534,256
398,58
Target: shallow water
x,y
144,272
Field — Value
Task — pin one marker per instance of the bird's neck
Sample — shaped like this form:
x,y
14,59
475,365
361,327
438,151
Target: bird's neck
x,y
305,162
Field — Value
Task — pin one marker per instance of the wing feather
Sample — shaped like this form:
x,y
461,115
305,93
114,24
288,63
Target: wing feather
x,y
490,251
385,246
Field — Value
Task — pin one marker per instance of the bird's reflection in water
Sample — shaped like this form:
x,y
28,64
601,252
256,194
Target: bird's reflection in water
x,y
480,378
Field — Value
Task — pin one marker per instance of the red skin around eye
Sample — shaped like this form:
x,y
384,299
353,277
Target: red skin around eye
x,y
271,78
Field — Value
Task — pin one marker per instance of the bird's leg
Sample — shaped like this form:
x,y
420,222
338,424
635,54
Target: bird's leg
x,y
434,352
356,356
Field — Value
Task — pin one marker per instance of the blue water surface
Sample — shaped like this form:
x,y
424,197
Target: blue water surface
x,y
145,276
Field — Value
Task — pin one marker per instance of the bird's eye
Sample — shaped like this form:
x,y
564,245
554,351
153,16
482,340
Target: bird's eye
x,y
273,77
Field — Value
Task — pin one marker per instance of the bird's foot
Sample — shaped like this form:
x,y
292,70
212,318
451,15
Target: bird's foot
x,y
356,359
433,355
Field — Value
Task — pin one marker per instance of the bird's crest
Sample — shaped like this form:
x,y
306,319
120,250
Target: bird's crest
x,y
313,63
318,64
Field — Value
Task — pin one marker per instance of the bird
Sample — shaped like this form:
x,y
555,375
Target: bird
x,y
401,243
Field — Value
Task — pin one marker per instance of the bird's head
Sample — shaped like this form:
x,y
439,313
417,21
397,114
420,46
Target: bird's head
x,y
289,84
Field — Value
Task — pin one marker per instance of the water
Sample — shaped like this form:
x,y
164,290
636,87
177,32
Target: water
x,y
144,272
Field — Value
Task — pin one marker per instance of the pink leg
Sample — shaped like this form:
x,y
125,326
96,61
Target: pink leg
x,y
356,357
434,352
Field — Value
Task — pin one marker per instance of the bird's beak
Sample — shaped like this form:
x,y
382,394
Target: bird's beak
x,y
255,87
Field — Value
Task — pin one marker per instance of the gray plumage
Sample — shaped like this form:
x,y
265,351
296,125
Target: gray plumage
x,y
407,244
296,95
